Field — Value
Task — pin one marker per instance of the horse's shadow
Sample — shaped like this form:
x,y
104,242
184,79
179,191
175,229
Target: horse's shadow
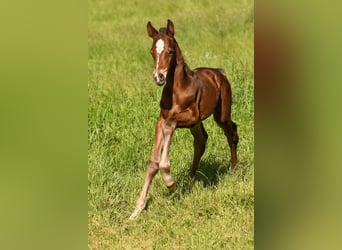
x,y
209,173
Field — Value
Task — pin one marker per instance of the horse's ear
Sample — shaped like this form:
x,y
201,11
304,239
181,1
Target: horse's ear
x,y
151,31
170,28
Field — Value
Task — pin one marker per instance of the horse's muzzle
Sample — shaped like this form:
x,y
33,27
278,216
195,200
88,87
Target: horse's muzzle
x,y
160,78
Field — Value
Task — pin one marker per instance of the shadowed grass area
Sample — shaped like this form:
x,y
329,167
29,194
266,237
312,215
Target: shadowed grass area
x,y
215,210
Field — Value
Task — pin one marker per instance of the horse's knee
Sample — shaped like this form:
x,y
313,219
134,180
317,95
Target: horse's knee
x,y
164,165
152,167
205,134
234,126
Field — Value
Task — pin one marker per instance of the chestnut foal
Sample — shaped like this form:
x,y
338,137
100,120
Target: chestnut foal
x,y
188,97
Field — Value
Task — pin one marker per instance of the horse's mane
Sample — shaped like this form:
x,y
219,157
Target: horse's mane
x,y
163,30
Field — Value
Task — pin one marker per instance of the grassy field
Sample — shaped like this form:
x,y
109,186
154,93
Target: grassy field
x,y
214,211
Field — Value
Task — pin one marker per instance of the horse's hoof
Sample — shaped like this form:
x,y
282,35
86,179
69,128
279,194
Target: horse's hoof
x,y
135,214
192,174
232,169
172,188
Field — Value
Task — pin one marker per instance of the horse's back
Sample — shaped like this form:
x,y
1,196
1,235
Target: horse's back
x,y
212,78
215,74
213,83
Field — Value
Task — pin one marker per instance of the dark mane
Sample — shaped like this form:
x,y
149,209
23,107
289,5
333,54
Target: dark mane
x,y
162,30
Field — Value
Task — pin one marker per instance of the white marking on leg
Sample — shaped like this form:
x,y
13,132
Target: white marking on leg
x,y
164,164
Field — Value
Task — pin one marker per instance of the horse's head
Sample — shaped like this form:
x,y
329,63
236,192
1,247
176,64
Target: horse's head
x,y
163,51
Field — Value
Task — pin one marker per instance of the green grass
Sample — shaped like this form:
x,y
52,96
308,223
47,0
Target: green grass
x,y
216,210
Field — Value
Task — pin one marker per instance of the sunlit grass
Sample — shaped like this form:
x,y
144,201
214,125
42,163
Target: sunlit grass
x,y
215,210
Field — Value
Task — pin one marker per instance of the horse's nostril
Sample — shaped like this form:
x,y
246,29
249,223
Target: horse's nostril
x,y
161,76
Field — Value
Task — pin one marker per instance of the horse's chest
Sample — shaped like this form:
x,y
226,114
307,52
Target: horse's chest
x,y
182,115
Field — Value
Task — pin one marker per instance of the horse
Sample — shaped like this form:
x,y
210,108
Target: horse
x,y
188,98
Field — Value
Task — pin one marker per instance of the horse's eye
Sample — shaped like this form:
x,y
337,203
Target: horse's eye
x,y
171,51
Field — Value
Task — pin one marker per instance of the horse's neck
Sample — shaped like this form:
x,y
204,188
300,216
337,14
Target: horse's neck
x,y
181,71
181,76
177,79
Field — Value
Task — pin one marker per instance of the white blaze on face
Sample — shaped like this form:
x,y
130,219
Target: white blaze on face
x,y
160,46
159,49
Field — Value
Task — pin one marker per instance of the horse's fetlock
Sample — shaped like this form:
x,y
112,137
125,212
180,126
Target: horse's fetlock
x,y
164,165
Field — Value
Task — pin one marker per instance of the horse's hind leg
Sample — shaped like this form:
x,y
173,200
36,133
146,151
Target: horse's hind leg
x,y
230,130
200,140
223,119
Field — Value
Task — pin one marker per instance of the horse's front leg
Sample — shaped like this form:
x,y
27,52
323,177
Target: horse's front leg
x,y
151,170
164,164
